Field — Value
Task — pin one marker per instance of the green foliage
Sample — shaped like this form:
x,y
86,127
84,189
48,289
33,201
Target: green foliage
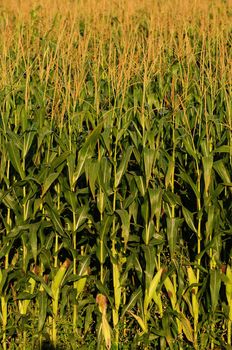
x,y
115,172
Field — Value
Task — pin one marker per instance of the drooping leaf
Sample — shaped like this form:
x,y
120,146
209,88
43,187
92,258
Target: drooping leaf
x,y
48,182
15,159
86,151
123,166
82,215
173,225
188,216
187,328
125,219
133,299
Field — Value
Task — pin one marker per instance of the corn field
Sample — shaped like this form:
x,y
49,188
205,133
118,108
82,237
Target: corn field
x,y
116,174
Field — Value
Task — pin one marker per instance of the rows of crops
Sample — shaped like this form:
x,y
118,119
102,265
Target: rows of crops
x,y
116,174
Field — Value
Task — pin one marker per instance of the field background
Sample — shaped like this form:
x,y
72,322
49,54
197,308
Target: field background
x,y
115,174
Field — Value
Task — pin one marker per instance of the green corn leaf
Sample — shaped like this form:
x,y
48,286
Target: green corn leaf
x,y
125,219
170,171
55,217
5,249
58,278
188,216
48,182
137,155
155,196
149,253
9,201
123,166
207,166
223,172
211,244
101,201
222,149
140,184
215,285
28,139
71,159
189,148
3,278
106,136
83,266
15,159
18,230
43,283
188,179
26,296
117,285
71,278
92,170
86,152
130,199
138,268
33,229
71,198
133,299
101,250
65,295
88,318
152,293
133,210
193,283
158,300
134,138
82,215
173,225
104,175
106,223
15,140
228,283
83,155
43,304
145,211
172,198
148,232
210,224
82,271
58,161
148,158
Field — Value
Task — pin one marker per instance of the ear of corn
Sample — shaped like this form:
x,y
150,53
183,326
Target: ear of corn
x,y
105,327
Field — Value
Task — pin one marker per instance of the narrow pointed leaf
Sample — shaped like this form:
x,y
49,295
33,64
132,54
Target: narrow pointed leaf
x,y
43,302
48,182
148,158
215,285
86,151
207,166
133,299
173,225
189,219
123,166
15,159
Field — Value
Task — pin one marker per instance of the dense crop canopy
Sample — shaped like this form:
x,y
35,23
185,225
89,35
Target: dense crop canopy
x,y
115,174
